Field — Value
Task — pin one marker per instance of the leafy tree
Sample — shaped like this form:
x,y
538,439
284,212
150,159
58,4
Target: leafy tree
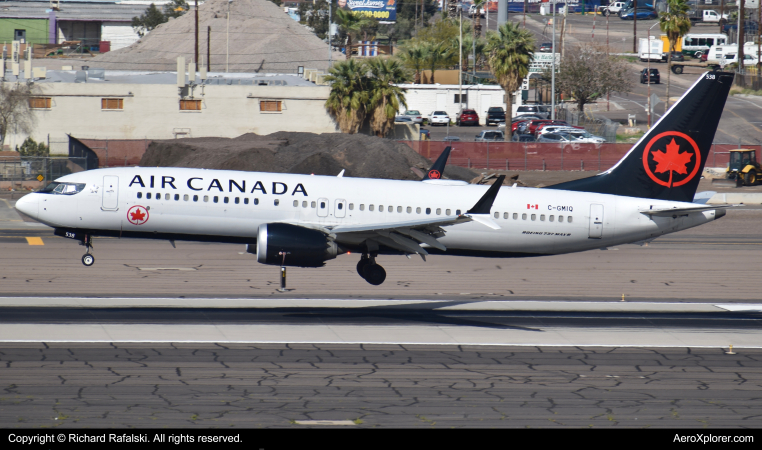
x,y
31,148
15,114
413,57
435,56
352,24
147,21
386,96
348,100
509,52
586,72
674,23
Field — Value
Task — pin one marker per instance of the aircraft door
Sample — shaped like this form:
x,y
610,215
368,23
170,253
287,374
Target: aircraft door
x,y
322,207
340,206
110,193
596,221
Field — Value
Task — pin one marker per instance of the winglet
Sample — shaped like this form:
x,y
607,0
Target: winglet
x,y
484,204
436,171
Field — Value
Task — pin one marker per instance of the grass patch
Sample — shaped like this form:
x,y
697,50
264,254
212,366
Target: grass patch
x,y
627,138
632,59
735,91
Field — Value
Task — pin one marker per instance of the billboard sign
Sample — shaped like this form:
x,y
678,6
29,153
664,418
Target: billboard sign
x,y
384,11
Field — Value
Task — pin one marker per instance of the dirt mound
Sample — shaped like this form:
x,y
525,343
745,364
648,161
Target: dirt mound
x,y
305,153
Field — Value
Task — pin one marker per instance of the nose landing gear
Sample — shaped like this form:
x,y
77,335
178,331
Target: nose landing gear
x,y
370,271
88,259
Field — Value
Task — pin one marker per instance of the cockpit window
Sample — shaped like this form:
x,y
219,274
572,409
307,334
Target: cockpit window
x,y
63,188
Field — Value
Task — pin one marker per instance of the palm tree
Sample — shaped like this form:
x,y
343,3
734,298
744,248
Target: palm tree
x,y
470,47
385,97
478,17
348,100
352,23
509,54
413,57
675,23
435,55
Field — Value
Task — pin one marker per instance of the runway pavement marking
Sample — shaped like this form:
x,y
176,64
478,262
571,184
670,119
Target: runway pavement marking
x,y
166,268
324,422
7,203
34,241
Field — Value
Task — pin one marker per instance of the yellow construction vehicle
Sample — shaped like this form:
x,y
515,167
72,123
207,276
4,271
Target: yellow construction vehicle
x,y
744,167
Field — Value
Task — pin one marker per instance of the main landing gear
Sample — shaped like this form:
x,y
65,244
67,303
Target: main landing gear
x,y
370,271
88,259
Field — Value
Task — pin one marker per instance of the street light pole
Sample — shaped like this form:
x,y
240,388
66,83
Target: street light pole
x,y
227,44
553,75
460,66
650,106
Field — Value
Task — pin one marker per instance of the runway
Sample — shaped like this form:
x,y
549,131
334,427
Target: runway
x,y
198,336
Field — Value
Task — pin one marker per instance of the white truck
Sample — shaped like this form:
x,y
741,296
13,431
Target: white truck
x,y
652,49
706,16
612,8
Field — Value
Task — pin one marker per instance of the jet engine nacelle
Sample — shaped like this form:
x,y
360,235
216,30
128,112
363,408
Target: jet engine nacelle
x,y
304,247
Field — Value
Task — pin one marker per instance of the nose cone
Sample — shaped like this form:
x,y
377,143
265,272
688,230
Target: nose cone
x,y
29,205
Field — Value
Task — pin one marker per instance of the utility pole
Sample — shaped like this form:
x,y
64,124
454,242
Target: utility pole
x,y
208,49
635,27
227,44
553,75
330,50
741,35
196,56
460,66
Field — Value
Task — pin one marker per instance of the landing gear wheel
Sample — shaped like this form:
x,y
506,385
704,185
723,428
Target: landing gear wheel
x,y
88,259
750,179
374,274
361,265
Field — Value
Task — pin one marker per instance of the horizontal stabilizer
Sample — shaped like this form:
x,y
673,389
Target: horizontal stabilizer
x,y
683,211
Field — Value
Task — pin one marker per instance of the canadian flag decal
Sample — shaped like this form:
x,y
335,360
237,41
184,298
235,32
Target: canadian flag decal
x,y
532,206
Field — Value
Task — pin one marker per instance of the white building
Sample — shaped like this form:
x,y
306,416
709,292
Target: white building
x,y
427,98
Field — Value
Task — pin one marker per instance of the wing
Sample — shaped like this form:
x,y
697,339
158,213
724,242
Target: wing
x,y
409,236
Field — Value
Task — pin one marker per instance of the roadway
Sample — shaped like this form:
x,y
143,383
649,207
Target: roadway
x,y
198,336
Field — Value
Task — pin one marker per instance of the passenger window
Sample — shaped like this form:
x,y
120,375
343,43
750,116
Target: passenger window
x,y
550,218
186,197
216,199
534,216
322,205
226,199
506,215
515,216
524,216
457,212
542,217
497,215
380,208
351,206
177,197
276,202
206,198
409,209
340,205
304,204
140,195
313,204
370,207
390,209
560,218
428,210
166,196
256,201
569,219
245,201
362,207
237,200
418,210
296,203
148,195
399,209
439,211
447,212
158,196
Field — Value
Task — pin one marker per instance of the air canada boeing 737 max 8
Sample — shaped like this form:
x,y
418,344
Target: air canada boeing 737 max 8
x,y
303,220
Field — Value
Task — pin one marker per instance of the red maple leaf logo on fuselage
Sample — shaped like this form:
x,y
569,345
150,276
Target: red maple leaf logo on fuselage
x,y
672,160
138,215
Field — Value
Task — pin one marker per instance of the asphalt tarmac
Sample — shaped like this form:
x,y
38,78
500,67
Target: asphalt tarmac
x,y
198,336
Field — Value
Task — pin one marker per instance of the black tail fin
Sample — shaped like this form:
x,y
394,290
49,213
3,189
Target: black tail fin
x,y
437,170
668,160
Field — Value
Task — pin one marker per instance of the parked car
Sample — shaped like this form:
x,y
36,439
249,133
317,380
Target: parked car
x,y
583,137
450,138
521,117
467,117
489,136
495,115
522,127
522,138
439,118
546,128
403,119
535,124
559,138
643,14
532,109
676,57
414,115
546,47
655,76
612,8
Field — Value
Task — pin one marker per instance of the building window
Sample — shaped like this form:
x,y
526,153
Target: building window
x,y
112,103
40,102
270,105
460,99
190,105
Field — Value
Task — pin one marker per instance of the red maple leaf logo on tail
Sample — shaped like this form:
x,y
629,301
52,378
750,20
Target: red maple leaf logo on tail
x,y
672,160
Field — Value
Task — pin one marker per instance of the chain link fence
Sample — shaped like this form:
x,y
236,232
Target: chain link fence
x,y
31,173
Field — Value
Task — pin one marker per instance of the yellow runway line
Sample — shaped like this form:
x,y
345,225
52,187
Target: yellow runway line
x,y
34,241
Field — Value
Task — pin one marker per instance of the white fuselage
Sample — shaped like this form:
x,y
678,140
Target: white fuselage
x,y
182,202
